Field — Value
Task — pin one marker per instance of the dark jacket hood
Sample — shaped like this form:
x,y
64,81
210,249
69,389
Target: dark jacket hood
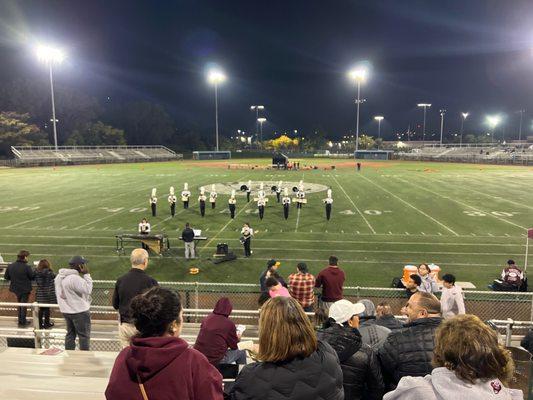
x,y
147,356
223,307
433,321
346,341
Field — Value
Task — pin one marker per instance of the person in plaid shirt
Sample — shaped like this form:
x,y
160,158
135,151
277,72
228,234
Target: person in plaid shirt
x,y
301,286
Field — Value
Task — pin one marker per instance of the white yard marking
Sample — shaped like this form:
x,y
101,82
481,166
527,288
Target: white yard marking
x,y
410,205
353,204
423,233
43,216
462,203
297,220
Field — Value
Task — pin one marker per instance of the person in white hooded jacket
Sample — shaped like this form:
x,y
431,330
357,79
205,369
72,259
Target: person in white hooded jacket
x,y
74,286
469,365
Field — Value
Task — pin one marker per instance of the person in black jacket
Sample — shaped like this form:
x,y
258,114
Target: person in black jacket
x,y
361,371
409,351
271,271
294,364
46,292
527,341
20,275
129,285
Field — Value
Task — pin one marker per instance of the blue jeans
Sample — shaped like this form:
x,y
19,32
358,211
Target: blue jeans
x,y
78,324
234,356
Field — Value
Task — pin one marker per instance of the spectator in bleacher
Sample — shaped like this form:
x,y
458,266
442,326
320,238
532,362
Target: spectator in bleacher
x,y
511,280
129,285
74,286
428,283
408,351
301,286
451,300
384,317
527,341
373,335
469,364
412,285
275,288
218,336
294,364
361,371
20,274
271,271
158,362
45,293
331,280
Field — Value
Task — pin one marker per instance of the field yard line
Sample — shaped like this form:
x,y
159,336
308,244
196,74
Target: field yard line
x,y
463,204
302,240
410,205
353,204
297,220
488,195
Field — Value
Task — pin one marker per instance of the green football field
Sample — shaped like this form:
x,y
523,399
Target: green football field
x,y
468,219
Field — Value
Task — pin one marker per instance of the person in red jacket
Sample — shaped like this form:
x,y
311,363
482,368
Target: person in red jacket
x,y
158,364
218,337
331,280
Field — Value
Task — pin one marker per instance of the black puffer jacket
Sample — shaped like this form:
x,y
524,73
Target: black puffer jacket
x,y
360,366
317,377
389,321
408,351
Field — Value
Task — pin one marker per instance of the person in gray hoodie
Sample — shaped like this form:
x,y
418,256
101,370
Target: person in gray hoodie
x,y
372,334
469,365
74,286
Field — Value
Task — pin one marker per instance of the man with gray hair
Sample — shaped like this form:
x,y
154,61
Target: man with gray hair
x,y
129,285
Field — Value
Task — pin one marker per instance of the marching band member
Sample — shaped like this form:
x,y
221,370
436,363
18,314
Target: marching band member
x,y
172,201
261,202
153,202
213,197
246,239
278,191
328,202
300,195
261,192
248,191
201,200
144,229
185,194
231,203
286,203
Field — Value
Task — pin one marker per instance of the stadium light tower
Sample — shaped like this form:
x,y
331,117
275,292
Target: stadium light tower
x,y
379,118
215,77
442,112
358,75
256,109
261,120
493,121
425,106
50,56
463,115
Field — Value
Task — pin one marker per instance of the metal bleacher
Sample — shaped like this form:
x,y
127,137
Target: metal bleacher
x,y
48,155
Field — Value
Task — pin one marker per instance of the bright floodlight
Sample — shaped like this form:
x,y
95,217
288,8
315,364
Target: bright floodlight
x,y
261,120
465,115
358,74
378,118
216,76
50,54
493,120
423,105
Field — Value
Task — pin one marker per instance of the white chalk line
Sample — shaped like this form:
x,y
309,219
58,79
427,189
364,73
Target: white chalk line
x,y
353,204
410,205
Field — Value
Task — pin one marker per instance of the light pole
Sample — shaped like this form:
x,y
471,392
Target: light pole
x,y
261,120
256,108
425,106
50,55
215,77
493,121
442,112
379,118
520,128
358,75
464,115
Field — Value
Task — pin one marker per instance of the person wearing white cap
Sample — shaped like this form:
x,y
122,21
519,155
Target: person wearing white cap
x,y
185,194
232,204
201,201
362,378
172,201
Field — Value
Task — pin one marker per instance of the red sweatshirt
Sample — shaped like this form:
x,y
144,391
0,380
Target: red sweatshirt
x,y
168,368
331,280
217,332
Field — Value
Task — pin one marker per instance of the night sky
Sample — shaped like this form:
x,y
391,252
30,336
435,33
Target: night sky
x,y
289,55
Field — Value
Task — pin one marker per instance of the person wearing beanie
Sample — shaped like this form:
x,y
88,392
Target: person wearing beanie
x,y
271,271
74,286
362,377
372,334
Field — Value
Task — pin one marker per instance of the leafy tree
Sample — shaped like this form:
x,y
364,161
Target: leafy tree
x,y
96,134
282,143
366,142
15,130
